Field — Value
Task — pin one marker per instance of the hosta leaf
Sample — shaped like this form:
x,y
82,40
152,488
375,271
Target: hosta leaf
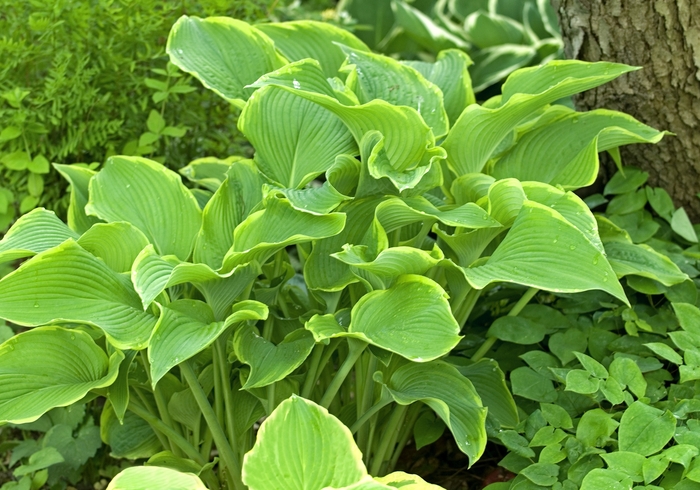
x,y
569,205
130,438
187,326
380,77
269,362
452,396
295,139
391,262
322,271
645,429
408,140
278,225
150,197
301,39
147,477
423,30
412,319
224,54
317,200
545,251
479,130
562,148
50,367
492,65
209,172
490,383
399,479
642,260
394,213
487,29
236,197
35,232
79,179
117,243
66,283
301,446
152,274
449,73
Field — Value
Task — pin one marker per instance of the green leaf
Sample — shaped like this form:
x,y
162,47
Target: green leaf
x,y
450,74
645,429
626,462
380,77
627,372
28,203
517,329
428,429
9,133
187,326
35,184
79,180
595,427
545,251
68,284
660,202
223,53
452,396
301,446
155,122
301,39
491,65
152,274
35,232
408,140
580,381
556,416
412,319
399,479
45,457
479,130
268,362
544,474
641,260
50,367
265,232
209,172
239,193
629,179
423,29
118,243
130,438
532,385
150,197
295,139
680,223
490,29
17,160
665,351
603,478
147,477
562,147
490,383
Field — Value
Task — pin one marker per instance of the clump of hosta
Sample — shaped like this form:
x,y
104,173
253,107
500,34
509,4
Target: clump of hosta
x,y
341,264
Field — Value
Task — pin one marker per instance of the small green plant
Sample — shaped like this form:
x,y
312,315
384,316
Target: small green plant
x,y
84,80
500,36
340,265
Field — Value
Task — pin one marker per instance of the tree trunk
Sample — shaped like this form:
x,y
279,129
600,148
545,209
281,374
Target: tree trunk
x,y
663,37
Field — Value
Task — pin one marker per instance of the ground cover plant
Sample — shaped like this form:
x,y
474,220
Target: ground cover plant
x,y
325,285
499,35
84,80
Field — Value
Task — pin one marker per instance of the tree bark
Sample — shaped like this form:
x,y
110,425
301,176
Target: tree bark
x,y
663,37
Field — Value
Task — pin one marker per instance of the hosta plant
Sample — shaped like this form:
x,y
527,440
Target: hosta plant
x,y
340,265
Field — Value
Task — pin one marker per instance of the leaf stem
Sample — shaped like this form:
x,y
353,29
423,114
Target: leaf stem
x,y
227,455
524,300
356,349
405,434
310,381
369,413
389,438
158,425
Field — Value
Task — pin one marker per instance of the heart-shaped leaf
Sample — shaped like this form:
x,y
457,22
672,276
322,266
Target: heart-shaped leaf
x,y
50,367
68,284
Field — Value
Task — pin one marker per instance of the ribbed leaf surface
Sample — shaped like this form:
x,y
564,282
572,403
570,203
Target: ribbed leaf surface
x,y
50,367
66,283
35,232
149,477
118,243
